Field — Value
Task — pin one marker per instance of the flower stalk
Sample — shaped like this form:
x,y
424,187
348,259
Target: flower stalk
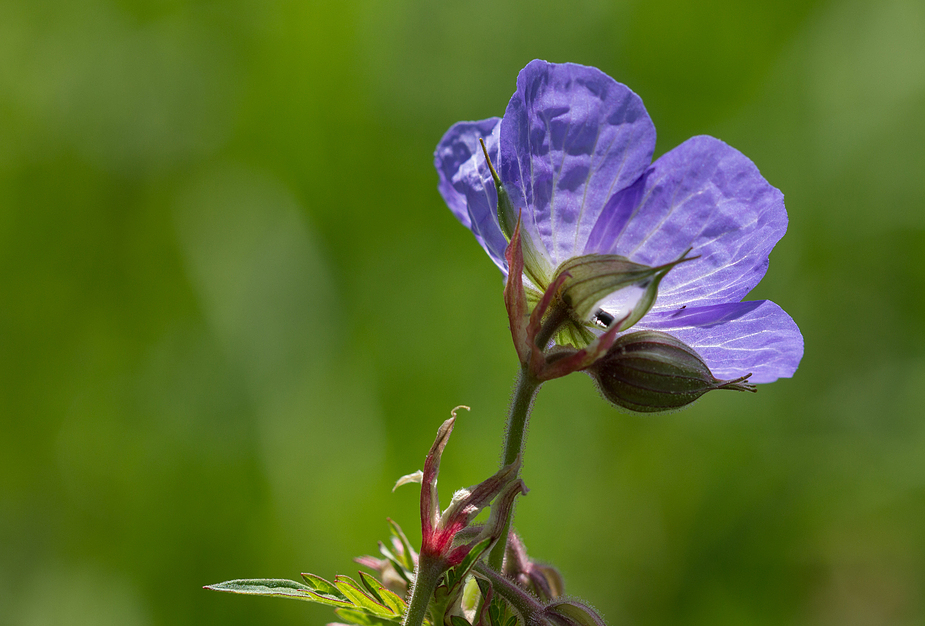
x,y
529,608
525,391
426,579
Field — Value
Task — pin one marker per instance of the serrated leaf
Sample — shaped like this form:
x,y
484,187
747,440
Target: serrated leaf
x,y
372,586
277,587
325,592
387,597
361,600
320,585
384,595
361,618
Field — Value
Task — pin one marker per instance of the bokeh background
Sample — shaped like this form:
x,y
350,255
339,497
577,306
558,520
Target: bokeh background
x,y
234,309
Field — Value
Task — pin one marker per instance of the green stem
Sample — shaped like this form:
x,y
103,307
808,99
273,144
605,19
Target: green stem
x,y
525,391
521,404
426,580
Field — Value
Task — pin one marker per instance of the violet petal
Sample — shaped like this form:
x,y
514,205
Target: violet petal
x,y
703,195
736,338
466,184
571,137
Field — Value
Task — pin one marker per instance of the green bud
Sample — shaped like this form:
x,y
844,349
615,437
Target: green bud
x,y
652,372
543,581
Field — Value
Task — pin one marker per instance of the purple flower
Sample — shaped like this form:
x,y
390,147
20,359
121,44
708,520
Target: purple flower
x,y
574,154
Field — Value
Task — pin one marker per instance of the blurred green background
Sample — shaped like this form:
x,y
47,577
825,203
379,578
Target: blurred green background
x,y
234,309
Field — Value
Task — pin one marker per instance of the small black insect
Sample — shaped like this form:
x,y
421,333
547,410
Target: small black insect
x,y
602,318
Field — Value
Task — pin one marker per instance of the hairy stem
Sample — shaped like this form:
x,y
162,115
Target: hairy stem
x,y
425,583
530,609
521,404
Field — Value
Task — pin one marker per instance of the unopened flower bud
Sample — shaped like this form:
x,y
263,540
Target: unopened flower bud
x,y
651,372
543,581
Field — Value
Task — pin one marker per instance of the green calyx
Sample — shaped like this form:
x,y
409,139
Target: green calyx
x,y
593,277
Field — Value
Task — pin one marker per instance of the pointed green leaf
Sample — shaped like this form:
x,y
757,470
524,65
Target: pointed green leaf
x,y
263,586
511,621
351,589
361,618
325,592
456,620
372,586
386,552
320,585
268,587
384,595
387,597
